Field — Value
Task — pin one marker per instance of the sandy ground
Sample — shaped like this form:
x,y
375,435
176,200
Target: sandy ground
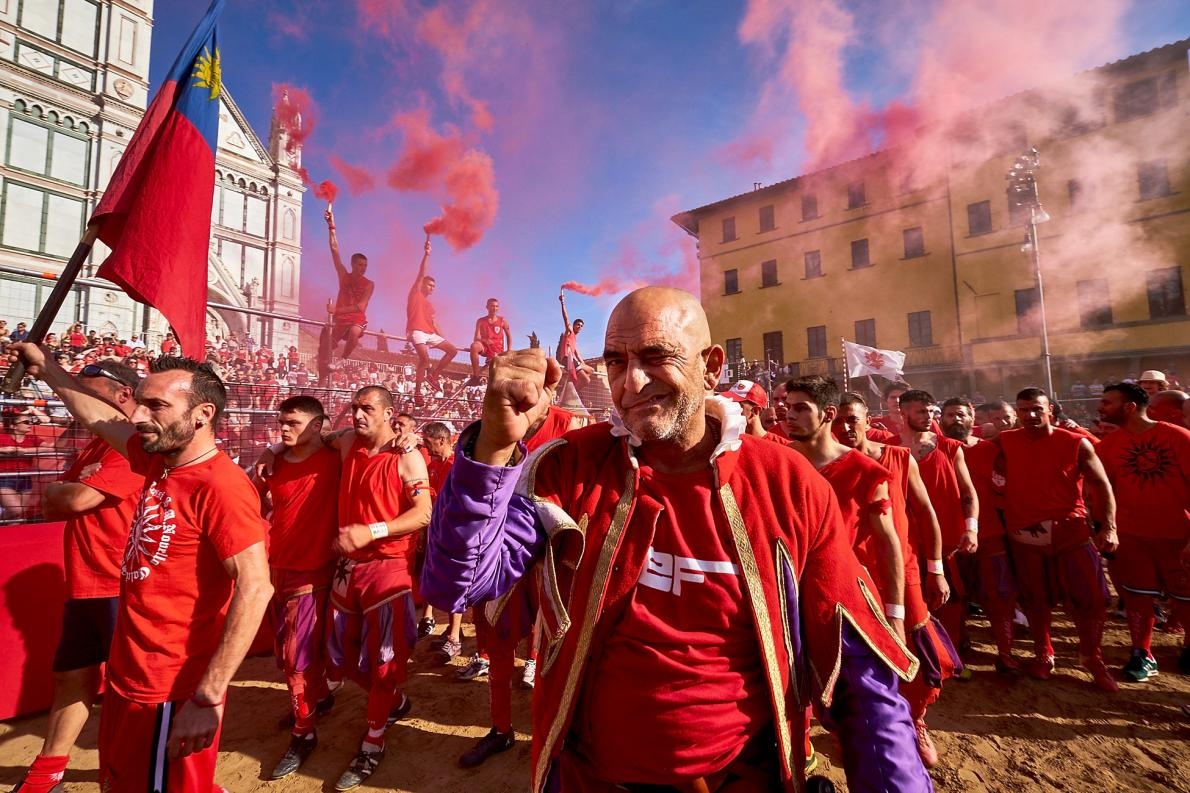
x,y
995,734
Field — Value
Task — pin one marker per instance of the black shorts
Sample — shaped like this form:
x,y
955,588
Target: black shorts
x,y
87,627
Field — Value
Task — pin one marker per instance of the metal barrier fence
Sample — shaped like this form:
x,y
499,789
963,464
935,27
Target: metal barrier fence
x,y
39,441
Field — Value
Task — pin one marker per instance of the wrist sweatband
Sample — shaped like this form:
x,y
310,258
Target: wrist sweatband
x,y
971,524
894,611
934,566
379,530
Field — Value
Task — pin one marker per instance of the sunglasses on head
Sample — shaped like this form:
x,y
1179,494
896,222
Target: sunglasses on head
x,y
95,370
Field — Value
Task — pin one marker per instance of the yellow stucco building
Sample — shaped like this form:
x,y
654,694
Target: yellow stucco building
x,y
916,247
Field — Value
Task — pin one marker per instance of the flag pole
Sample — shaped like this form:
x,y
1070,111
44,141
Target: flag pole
x,y
846,367
49,310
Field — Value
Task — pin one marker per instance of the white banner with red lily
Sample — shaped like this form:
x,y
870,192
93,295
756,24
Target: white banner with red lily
x,y
863,360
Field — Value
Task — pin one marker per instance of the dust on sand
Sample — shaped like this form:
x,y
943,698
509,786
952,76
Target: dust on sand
x,y
994,733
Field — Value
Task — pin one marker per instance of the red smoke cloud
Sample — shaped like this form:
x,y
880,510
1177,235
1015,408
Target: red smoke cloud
x,y
426,155
296,113
327,191
454,39
471,185
359,180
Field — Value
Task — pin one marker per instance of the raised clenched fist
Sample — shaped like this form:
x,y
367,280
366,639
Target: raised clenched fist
x,y
521,385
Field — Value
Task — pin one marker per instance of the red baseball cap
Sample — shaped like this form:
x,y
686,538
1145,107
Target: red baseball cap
x,y
748,391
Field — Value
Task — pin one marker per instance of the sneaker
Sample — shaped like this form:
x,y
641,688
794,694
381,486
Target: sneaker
x,y
425,626
812,762
476,667
529,676
300,749
492,743
400,711
362,766
1042,667
1100,675
1140,667
321,709
1184,660
925,744
449,650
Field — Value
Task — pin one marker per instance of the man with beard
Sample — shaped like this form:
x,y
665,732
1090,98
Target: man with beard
x,y
944,472
925,635
195,579
384,500
997,583
302,488
699,547
1046,470
1148,463
96,497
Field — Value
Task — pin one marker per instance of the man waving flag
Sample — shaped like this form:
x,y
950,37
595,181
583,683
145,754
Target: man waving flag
x,y
156,212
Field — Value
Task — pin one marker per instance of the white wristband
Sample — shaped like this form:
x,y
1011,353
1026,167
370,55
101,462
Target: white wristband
x,y
379,530
934,566
894,611
972,525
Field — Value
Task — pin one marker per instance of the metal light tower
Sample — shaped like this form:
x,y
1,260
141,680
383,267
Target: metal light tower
x,y
1022,193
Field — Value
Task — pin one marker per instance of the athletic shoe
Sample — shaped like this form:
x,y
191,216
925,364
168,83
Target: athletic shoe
x,y
476,667
1100,675
1140,667
321,709
1041,667
811,762
300,749
449,651
529,676
362,766
400,711
425,626
1184,661
492,743
925,744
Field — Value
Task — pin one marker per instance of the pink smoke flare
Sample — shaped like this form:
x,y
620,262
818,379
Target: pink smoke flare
x,y
359,180
471,210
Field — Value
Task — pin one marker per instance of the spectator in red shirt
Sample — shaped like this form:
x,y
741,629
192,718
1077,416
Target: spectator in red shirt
x,y
18,445
168,345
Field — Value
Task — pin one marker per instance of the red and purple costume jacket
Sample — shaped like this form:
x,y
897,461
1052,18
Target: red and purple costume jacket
x,y
819,628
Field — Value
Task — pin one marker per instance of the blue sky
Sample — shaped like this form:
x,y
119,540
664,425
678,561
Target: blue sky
x,y
607,118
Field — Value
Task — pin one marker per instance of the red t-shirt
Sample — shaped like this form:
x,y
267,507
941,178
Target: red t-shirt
x,y
168,346
370,490
491,335
1150,474
175,592
942,484
352,290
419,313
989,486
305,511
557,423
94,541
77,340
438,469
1042,480
895,460
854,477
19,464
778,429
679,676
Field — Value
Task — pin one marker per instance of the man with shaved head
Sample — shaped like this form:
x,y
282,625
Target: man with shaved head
x,y
691,570
1168,406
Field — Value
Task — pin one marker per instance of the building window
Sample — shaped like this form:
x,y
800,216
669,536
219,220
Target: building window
x,y
731,282
816,341
1153,179
768,219
1028,316
288,277
48,152
774,348
813,264
1166,298
71,23
728,229
915,242
768,273
1094,303
865,332
1076,194
809,206
859,254
979,218
289,225
1144,97
39,221
735,350
921,332
856,195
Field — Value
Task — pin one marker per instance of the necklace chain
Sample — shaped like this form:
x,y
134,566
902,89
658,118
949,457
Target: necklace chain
x,y
194,459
